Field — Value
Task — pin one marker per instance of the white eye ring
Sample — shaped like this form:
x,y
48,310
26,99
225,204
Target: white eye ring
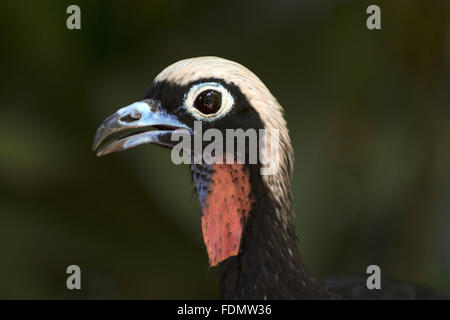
x,y
195,90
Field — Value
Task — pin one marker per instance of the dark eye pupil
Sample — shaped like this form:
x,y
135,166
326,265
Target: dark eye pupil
x,y
208,102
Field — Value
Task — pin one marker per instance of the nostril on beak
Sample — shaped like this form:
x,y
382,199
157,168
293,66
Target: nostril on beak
x,y
131,117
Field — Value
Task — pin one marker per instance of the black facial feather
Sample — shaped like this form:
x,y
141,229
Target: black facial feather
x,y
171,95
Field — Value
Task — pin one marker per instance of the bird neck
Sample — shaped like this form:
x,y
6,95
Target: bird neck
x,y
266,263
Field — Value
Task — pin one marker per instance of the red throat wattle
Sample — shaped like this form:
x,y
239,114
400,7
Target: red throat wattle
x,y
226,209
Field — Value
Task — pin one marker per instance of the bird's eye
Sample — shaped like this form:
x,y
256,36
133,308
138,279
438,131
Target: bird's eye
x,y
208,101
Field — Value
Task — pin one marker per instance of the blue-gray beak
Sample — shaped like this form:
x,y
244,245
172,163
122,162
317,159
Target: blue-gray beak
x,y
141,122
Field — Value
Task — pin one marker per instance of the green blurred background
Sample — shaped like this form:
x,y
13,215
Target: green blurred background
x,y
368,112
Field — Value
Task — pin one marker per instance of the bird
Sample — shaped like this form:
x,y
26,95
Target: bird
x,y
247,218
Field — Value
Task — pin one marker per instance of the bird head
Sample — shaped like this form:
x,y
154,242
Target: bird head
x,y
218,94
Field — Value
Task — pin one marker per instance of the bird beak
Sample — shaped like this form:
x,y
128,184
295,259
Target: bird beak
x,y
140,123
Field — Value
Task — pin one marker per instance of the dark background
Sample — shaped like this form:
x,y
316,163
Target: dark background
x,y
368,113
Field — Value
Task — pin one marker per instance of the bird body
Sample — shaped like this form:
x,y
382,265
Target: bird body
x,y
247,217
